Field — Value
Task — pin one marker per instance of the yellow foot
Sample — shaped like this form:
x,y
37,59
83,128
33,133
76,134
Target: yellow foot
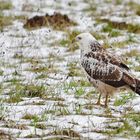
x,y
102,105
98,103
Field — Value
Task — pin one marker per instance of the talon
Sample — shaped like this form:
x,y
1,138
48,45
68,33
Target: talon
x,y
98,103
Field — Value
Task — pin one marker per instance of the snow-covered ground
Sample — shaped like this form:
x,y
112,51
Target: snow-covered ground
x,y
44,94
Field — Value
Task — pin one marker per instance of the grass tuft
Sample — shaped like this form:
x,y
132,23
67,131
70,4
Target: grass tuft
x,y
124,99
5,5
132,28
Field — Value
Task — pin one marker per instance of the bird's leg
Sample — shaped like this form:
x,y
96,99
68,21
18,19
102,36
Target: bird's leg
x,y
98,102
106,101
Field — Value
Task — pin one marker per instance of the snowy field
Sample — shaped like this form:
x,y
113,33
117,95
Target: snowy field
x,y
44,94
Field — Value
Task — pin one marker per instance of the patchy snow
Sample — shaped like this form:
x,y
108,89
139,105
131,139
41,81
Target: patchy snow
x,y
66,103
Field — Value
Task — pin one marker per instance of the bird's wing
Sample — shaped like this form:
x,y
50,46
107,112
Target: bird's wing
x,y
99,68
107,57
116,60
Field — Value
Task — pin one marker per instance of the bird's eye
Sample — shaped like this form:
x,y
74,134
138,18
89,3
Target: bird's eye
x,y
79,38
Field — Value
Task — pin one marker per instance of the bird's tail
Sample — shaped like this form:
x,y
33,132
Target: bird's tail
x,y
133,83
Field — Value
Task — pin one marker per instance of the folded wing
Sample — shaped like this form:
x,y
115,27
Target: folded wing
x,y
101,68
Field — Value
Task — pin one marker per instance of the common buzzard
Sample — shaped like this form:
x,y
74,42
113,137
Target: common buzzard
x,y
104,70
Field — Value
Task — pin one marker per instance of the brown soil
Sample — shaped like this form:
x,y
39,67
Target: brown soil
x,y
66,132
56,21
6,136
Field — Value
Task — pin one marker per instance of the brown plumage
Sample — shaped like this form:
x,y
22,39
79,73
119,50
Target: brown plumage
x,y
104,70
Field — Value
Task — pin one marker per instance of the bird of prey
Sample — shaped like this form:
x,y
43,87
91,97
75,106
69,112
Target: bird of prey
x,y
104,70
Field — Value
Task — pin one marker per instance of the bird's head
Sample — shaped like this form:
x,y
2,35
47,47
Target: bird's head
x,y
85,41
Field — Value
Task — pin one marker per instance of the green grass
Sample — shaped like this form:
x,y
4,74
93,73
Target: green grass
x,y
62,111
20,91
120,130
80,91
112,32
3,111
73,69
137,68
41,126
91,8
70,37
1,72
30,117
5,5
98,35
132,28
135,7
76,86
122,44
64,42
13,80
14,98
78,109
34,90
132,53
5,21
132,123
128,127
124,98
20,17
134,118
41,69
67,42
73,72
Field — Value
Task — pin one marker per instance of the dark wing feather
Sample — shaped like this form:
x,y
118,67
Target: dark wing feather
x,y
108,58
102,70
124,66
